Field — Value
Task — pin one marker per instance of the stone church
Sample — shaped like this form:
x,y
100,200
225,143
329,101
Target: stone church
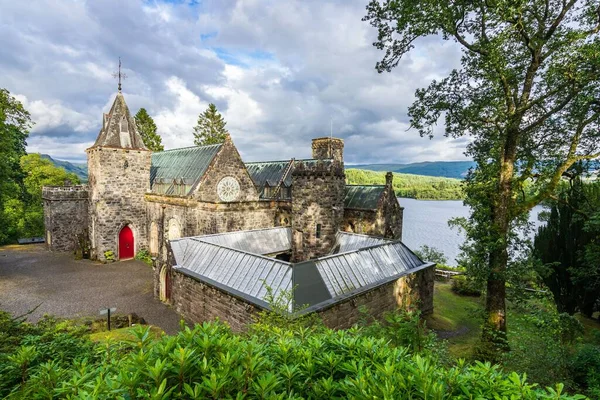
x,y
222,231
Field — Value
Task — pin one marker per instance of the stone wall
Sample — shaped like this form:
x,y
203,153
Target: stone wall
x,y
65,216
197,218
385,221
197,301
118,180
414,290
317,208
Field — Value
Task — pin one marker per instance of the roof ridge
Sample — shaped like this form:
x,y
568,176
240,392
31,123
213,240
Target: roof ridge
x,y
373,185
284,161
189,147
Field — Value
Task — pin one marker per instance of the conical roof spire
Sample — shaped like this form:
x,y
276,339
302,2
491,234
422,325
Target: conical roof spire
x,y
118,128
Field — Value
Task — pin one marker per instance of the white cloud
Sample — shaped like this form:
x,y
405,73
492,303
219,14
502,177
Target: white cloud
x,y
49,116
279,71
175,123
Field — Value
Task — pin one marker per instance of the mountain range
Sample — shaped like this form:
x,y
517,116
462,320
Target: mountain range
x,y
79,169
446,169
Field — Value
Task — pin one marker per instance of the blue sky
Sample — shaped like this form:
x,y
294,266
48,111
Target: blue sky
x,y
279,71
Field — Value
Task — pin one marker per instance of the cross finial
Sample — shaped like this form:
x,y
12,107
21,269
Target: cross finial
x,y
120,75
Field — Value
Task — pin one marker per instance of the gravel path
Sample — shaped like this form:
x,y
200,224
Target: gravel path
x,y
70,288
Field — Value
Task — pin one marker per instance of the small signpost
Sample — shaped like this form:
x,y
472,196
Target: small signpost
x,y
107,311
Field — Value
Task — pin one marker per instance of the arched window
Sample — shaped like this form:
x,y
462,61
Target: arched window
x,y
153,238
174,231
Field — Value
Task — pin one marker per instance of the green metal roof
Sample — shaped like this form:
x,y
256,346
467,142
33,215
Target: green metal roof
x,y
267,172
364,197
178,171
271,173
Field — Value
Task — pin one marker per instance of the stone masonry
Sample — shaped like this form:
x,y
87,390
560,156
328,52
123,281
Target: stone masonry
x,y
317,208
385,221
118,180
65,216
198,301
413,291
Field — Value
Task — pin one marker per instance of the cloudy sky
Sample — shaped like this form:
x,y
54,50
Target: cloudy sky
x,y
281,72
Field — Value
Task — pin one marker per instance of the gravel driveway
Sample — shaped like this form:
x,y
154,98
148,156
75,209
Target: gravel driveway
x,y
65,287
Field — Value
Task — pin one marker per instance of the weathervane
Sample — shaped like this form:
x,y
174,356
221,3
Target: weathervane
x,y
119,75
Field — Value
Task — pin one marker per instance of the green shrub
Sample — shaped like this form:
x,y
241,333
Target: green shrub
x,y
465,286
209,361
144,255
585,367
109,255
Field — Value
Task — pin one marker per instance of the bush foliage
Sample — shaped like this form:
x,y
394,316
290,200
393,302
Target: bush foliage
x,y
209,361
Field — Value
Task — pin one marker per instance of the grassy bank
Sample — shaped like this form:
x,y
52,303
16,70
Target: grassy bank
x,y
413,186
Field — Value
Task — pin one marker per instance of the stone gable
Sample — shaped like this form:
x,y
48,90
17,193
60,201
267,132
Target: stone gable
x,y
227,162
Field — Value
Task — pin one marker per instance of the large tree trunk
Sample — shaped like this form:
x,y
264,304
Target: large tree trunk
x,y
494,340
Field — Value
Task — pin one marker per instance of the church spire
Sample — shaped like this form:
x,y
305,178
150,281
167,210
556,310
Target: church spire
x,y
118,128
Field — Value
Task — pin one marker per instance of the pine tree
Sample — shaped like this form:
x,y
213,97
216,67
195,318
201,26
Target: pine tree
x,y
147,129
210,128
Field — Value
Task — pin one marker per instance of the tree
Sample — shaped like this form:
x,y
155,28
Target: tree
x,y
38,172
147,129
210,128
527,95
563,244
15,123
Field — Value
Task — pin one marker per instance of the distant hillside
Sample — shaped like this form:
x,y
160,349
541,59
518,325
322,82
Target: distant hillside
x,y
446,169
410,185
79,169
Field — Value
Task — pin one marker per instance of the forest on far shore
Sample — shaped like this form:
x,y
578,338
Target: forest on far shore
x,y
413,186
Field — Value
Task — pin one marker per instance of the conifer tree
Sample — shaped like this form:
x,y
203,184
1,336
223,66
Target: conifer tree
x,y
147,129
210,128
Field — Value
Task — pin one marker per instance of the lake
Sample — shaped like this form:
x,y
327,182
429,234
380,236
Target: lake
x,y
426,223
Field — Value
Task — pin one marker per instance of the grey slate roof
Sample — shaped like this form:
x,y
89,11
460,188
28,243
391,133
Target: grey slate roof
x,y
257,241
185,166
355,269
351,241
246,273
229,262
363,197
119,128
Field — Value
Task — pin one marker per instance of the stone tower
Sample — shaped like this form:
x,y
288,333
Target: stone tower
x,y
119,176
328,148
318,189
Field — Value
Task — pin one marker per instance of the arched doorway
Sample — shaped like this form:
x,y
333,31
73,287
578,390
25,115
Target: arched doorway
x,y
165,284
126,243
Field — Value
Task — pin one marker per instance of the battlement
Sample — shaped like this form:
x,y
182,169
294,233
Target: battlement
x,y
328,148
65,193
311,168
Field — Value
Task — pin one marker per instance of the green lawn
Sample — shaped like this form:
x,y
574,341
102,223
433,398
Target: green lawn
x,y
122,334
458,319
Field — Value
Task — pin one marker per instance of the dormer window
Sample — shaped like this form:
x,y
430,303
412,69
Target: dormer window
x,y
124,125
124,134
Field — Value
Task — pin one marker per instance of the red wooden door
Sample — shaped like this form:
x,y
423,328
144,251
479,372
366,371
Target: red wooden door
x,y
125,243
